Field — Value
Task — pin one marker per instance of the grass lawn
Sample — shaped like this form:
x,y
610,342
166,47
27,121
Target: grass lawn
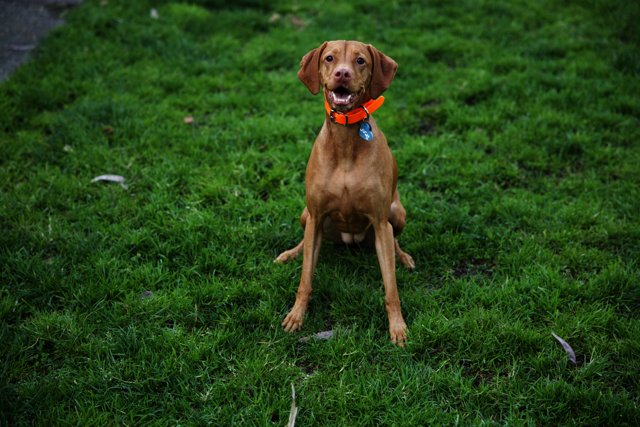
x,y
516,127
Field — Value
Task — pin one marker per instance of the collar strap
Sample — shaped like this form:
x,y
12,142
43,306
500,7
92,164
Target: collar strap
x,y
355,115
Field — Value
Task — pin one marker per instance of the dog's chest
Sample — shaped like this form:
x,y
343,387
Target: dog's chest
x,y
350,185
348,195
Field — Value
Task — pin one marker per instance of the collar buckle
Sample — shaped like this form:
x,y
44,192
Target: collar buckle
x,y
332,116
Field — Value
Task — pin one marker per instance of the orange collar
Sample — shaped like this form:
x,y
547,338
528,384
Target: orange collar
x,y
355,115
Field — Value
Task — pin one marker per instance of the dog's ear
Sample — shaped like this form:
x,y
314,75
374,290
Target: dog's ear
x,y
384,69
309,69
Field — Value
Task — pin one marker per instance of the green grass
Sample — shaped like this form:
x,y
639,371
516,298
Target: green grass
x,y
516,126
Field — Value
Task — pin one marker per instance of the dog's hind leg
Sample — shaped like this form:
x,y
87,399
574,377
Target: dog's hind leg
x,y
294,252
404,257
397,218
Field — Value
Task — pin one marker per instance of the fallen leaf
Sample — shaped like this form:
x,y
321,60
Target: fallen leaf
x,y
188,120
117,179
297,22
62,4
324,335
108,131
109,178
21,47
567,348
294,409
274,18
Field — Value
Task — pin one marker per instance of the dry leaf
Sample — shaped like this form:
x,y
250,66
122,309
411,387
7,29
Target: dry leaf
x,y
324,335
117,179
63,4
297,22
570,353
109,178
188,120
274,18
108,131
21,47
294,409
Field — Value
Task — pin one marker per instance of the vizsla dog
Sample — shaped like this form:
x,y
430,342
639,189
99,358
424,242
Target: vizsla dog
x,y
351,175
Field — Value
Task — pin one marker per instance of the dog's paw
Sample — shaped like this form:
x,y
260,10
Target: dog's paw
x,y
287,256
283,257
293,321
398,332
407,261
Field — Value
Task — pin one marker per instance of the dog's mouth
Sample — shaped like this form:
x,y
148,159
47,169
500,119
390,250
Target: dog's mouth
x,y
341,97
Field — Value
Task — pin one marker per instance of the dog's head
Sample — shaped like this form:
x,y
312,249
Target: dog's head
x,y
349,72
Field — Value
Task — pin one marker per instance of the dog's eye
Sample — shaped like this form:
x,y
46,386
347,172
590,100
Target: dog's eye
x,y
360,60
329,58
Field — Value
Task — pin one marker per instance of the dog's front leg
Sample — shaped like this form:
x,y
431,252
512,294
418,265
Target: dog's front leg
x,y
312,242
385,248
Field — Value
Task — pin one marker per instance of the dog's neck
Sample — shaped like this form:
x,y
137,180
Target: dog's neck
x,y
343,129
343,143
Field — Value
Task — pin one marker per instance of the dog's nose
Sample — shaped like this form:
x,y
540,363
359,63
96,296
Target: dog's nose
x,y
342,73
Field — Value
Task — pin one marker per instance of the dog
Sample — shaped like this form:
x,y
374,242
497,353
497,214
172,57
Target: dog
x,y
351,175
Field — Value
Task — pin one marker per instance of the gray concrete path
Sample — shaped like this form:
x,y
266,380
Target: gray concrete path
x,y
23,23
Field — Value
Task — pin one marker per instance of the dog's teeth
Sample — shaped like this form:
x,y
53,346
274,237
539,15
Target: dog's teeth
x,y
342,98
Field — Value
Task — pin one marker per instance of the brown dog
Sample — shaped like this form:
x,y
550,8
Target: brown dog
x,y
351,175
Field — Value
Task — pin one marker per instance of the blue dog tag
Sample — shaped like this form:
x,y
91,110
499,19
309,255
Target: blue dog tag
x,y
365,131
